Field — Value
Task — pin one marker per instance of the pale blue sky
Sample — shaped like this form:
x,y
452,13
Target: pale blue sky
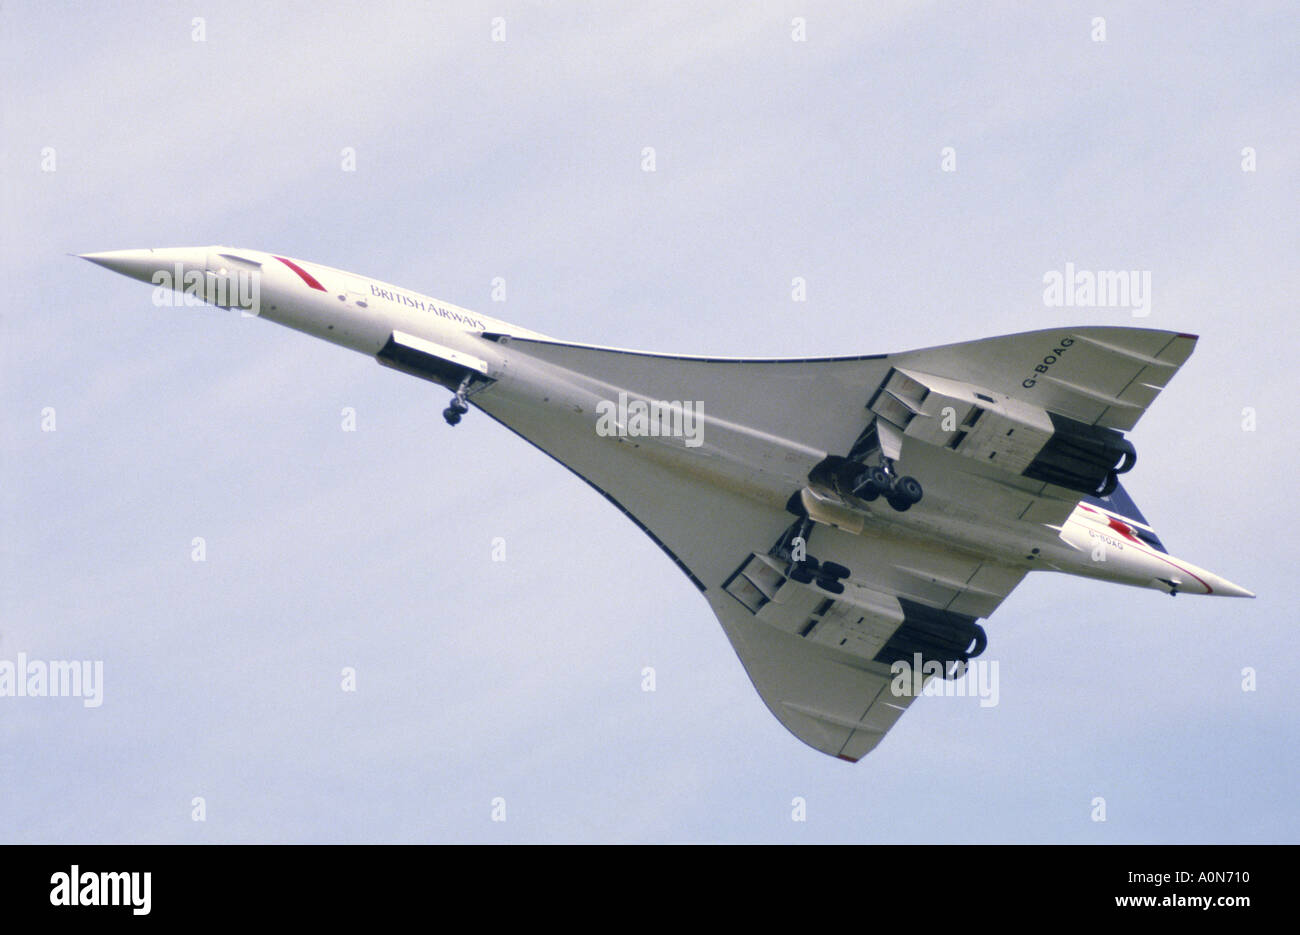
x,y
521,159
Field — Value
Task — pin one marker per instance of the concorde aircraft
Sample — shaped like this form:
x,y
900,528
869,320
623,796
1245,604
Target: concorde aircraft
x,y
843,516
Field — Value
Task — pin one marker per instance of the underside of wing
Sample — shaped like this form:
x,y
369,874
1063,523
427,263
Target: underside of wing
x,y
837,707
1098,376
828,654
819,652
817,402
1095,375
699,524
1002,434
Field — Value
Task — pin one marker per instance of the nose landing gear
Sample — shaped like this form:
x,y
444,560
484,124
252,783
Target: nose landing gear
x,y
459,404
453,412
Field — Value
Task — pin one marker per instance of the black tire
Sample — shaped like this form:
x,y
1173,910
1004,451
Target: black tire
x,y
801,574
868,491
1108,488
898,503
451,415
833,585
879,478
910,488
811,563
834,570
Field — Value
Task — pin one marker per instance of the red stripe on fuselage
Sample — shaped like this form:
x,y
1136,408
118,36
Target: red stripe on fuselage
x,y
305,276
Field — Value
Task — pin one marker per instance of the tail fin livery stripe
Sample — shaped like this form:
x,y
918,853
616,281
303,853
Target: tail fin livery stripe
x,y
1119,503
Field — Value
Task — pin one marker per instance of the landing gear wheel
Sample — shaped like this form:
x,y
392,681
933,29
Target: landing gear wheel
x,y
864,487
834,570
899,503
908,487
832,585
880,477
811,563
458,407
801,574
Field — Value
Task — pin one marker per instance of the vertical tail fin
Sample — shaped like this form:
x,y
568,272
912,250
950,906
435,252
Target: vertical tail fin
x,y
1118,503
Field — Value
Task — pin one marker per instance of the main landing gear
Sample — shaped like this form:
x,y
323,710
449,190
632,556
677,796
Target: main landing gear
x,y
882,480
804,568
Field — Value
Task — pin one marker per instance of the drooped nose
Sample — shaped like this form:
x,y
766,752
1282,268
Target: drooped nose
x,y
145,264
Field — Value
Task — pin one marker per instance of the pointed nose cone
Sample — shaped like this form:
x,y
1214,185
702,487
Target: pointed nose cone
x,y
138,264
1225,588
1217,584
144,265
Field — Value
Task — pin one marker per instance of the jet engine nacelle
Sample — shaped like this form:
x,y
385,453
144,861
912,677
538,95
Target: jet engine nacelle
x,y
1000,430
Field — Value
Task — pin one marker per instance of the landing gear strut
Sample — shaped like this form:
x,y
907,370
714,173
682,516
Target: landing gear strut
x,y
807,569
458,406
900,492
